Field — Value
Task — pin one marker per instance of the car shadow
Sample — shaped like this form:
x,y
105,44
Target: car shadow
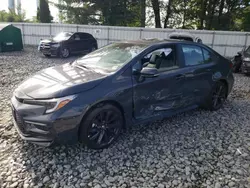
x,y
197,138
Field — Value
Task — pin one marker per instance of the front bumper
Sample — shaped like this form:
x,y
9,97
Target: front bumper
x,y
49,51
245,69
44,129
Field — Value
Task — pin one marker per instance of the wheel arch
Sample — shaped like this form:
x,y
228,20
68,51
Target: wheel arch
x,y
101,103
226,84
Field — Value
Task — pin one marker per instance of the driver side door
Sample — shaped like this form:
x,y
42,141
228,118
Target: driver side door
x,y
161,94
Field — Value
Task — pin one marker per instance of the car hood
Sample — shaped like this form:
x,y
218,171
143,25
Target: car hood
x,y
50,41
59,81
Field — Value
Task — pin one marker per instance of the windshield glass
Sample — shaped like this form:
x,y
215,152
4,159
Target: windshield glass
x,y
111,57
62,36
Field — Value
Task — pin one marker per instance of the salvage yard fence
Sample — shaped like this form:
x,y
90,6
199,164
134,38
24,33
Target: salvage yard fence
x,y
226,43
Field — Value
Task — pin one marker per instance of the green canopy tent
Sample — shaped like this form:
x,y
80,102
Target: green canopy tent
x,y
10,38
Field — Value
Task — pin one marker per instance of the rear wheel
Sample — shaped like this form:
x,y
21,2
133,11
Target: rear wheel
x,y
93,48
217,97
101,127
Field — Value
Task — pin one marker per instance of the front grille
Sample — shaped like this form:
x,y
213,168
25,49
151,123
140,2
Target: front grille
x,y
45,46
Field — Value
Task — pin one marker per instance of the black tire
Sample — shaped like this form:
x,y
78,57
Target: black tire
x,y
101,126
93,48
217,96
64,52
47,55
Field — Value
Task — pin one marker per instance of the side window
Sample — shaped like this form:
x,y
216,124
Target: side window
x,y
207,56
84,36
162,59
192,55
76,37
199,40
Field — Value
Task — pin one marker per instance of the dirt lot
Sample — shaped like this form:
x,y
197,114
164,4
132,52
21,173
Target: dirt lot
x,y
193,149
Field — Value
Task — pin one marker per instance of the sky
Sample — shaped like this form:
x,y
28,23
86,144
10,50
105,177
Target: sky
x,y
29,6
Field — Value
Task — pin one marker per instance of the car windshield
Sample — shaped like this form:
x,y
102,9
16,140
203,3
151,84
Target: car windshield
x,y
62,36
112,57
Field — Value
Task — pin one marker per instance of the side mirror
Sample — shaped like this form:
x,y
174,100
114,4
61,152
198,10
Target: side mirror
x,y
149,72
137,68
239,53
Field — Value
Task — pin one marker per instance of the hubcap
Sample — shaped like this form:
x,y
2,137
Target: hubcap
x,y
65,52
104,128
219,96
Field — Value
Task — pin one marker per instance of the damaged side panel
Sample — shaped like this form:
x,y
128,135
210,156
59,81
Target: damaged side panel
x,y
159,95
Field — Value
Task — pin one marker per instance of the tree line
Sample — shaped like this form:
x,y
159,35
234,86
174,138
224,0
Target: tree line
x,y
185,14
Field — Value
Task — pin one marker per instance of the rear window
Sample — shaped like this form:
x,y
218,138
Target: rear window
x,y
181,38
85,36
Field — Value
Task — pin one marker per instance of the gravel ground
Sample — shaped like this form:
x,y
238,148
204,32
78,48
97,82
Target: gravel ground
x,y
193,149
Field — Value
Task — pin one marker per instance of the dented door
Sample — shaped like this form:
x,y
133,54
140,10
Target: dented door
x,y
158,95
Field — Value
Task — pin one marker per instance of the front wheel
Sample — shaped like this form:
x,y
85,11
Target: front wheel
x,y
101,127
64,53
217,97
47,55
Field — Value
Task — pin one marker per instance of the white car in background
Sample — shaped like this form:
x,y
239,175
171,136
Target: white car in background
x,y
185,36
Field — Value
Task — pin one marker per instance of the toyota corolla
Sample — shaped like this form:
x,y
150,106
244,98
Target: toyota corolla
x,y
94,98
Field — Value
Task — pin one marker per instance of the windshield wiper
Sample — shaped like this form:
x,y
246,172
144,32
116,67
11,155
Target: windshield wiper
x,y
81,66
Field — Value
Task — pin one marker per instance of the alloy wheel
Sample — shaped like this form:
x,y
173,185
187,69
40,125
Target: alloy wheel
x,y
104,128
65,52
219,95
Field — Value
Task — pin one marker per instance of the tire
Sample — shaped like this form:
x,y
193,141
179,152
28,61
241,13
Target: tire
x,y
93,48
217,97
47,55
64,53
101,127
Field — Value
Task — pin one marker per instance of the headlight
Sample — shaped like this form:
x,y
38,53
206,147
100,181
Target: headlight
x,y
55,45
246,59
51,104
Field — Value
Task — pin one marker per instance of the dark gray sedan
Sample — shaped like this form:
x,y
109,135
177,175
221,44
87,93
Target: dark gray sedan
x,y
92,99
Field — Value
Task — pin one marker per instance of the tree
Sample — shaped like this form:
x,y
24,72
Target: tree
x,y
143,12
11,16
169,12
43,14
156,8
105,12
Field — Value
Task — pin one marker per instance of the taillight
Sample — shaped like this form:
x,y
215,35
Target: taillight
x,y
231,65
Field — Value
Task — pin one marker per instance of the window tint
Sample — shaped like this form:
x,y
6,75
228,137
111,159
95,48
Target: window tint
x,y
162,59
207,56
85,36
76,37
193,55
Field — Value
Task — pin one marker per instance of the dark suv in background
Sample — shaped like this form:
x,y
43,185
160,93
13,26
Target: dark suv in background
x,y
66,43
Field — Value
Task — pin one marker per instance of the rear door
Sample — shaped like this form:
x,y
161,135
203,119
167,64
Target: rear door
x,y
161,94
74,43
200,64
85,41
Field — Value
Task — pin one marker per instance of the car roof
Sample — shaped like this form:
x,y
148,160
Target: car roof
x,y
182,34
157,41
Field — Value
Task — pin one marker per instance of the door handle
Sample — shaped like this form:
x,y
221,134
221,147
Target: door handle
x,y
179,76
